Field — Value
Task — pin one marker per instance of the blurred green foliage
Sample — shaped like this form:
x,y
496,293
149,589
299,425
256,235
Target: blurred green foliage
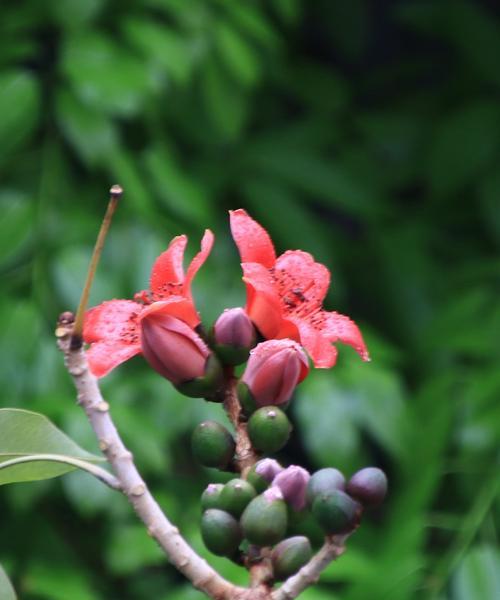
x,y
367,133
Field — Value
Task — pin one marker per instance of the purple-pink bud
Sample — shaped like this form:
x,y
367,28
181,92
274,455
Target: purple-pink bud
x,y
292,482
268,468
273,493
234,328
171,347
273,371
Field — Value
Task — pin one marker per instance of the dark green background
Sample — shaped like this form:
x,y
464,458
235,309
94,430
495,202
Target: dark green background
x,y
367,133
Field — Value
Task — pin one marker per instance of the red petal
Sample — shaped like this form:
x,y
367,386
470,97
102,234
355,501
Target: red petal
x,y
263,304
301,282
206,246
175,306
112,321
318,335
252,239
168,268
105,356
319,347
341,328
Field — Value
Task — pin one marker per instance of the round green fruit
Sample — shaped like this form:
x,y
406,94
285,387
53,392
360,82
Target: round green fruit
x,y
236,495
290,555
211,496
324,481
269,429
212,444
264,520
335,512
220,531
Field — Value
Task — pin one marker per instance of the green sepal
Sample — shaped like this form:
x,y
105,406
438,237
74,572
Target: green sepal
x,y
247,402
208,386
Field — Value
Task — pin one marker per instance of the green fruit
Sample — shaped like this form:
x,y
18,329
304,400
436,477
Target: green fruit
x,y
236,495
369,486
336,512
206,386
290,555
324,481
259,483
220,531
264,520
211,496
212,444
269,429
304,524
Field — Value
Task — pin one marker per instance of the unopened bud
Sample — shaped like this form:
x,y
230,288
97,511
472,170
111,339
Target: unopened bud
x,y
336,512
292,482
273,371
369,486
234,335
269,429
220,531
265,519
171,347
290,555
324,481
262,473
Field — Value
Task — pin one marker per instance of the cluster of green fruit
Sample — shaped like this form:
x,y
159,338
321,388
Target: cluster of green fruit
x,y
271,505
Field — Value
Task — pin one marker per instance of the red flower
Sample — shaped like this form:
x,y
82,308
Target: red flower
x,y
113,328
285,295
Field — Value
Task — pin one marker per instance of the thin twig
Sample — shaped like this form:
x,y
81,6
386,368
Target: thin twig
x,y
309,574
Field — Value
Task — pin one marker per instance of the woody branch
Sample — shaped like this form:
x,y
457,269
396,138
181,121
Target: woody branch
x,y
182,556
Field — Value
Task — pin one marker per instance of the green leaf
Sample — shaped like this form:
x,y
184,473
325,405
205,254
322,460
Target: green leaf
x,y
19,105
16,222
6,589
130,548
104,76
91,133
25,434
465,142
478,576
162,46
238,56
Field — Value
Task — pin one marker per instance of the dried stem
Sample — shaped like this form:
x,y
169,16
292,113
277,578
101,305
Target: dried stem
x,y
76,335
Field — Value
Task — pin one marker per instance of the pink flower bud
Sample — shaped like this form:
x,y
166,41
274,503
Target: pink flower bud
x,y
292,482
234,328
171,347
273,493
268,468
273,371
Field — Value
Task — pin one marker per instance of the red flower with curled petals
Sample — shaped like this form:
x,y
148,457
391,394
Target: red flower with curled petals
x,y
113,328
285,295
